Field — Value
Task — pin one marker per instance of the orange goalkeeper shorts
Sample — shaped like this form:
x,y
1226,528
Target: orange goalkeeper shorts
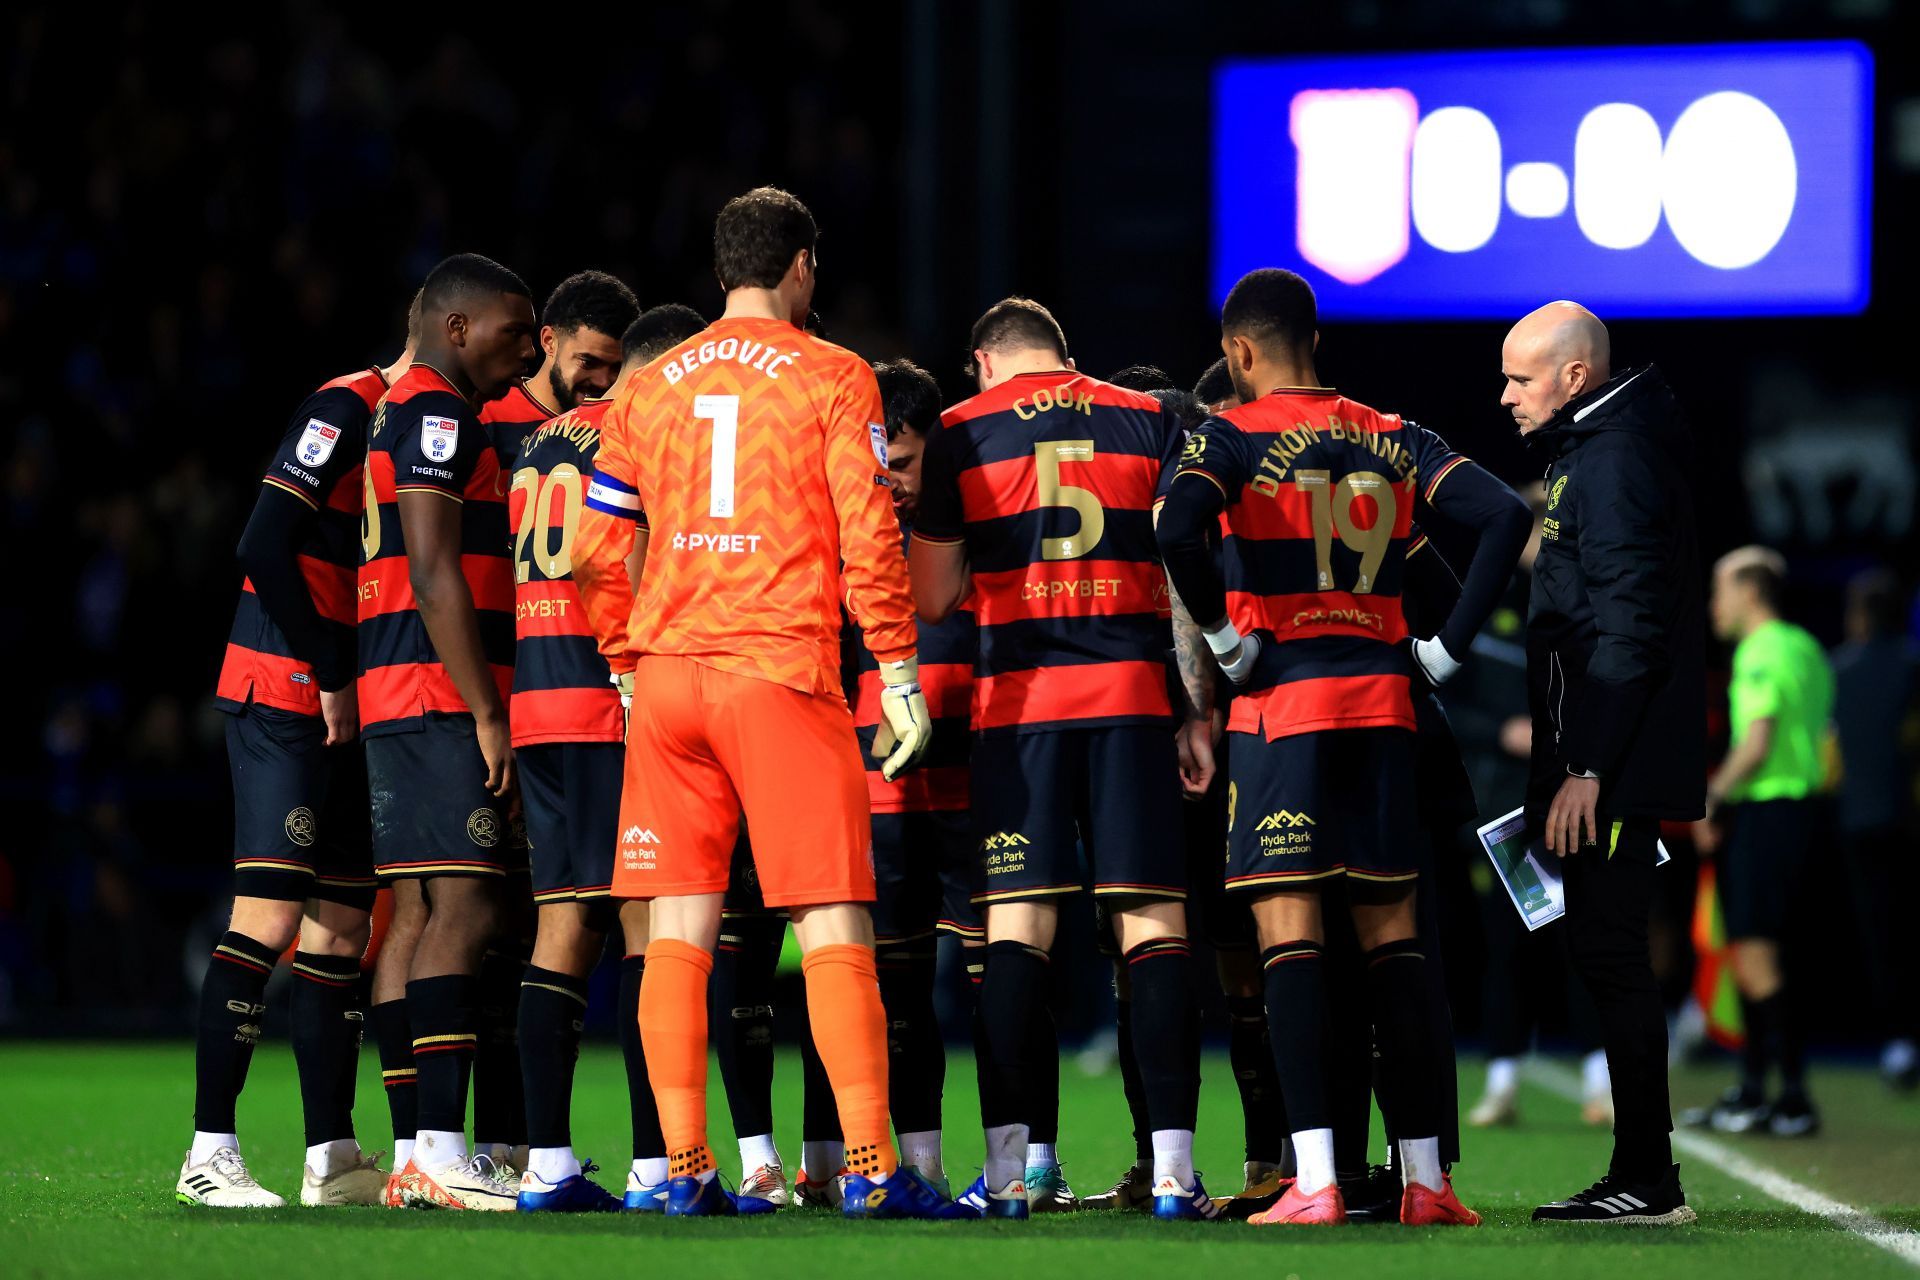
x,y
705,747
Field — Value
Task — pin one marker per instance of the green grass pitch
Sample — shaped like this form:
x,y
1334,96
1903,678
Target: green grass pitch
x,y
94,1135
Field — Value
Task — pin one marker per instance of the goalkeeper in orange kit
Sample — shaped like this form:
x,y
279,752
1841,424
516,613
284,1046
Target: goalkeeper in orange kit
x,y
758,454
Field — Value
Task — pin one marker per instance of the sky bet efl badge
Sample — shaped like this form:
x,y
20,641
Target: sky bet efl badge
x,y
439,437
316,443
878,430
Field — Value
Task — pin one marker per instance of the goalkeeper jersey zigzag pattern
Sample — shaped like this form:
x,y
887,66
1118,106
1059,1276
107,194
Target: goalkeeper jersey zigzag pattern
x,y
758,453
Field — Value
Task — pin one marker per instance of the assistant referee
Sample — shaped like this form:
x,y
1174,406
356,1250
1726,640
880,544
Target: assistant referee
x,y
1616,641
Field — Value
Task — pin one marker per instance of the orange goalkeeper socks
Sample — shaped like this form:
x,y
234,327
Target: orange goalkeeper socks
x,y
850,1031
673,1032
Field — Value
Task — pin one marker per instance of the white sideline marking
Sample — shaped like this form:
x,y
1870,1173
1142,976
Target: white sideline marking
x,y
1898,1241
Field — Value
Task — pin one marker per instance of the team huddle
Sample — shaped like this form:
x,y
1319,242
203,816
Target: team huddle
x,y
705,629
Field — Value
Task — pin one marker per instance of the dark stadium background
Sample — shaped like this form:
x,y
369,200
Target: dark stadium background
x,y
200,221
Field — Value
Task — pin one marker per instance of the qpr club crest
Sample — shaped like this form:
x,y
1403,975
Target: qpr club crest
x,y
483,828
439,437
317,441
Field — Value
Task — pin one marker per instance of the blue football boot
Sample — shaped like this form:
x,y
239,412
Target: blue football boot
x,y
576,1194
644,1198
906,1194
1173,1201
688,1197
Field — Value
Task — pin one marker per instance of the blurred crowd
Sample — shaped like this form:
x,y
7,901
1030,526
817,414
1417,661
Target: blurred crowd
x,y
199,225
197,228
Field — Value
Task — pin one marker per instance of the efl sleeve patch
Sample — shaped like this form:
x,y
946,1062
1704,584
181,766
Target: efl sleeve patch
x,y
317,443
878,430
439,438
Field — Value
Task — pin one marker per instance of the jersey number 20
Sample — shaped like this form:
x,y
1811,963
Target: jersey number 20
x,y
563,486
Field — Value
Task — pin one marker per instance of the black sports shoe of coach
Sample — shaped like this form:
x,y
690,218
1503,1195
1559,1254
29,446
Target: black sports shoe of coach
x,y
1616,644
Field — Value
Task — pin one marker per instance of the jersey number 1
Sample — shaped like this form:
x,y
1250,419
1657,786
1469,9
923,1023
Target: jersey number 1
x,y
724,411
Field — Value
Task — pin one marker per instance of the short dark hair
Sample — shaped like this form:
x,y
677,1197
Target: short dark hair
x,y
657,331
414,309
464,278
1273,307
909,396
756,236
1016,324
1188,411
590,300
1144,377
1215,385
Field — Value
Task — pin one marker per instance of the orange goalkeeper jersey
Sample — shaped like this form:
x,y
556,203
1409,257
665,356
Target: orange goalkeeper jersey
x,y
758,454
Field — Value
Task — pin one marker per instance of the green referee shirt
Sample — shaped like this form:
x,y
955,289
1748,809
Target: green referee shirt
x,y
1780,673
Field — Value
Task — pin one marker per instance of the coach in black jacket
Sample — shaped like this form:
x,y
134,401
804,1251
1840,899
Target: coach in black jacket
x,y
1616,642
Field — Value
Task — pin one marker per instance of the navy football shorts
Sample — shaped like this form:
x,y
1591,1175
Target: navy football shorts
x,y
300,826
432,812
1316,805
923,871
1040,799
570,792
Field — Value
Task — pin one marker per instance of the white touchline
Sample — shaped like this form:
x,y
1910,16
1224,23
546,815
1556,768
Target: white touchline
x,y
1898,1241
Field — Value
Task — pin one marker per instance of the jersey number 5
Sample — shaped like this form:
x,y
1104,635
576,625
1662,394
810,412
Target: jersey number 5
x,y
1048,455
1332,512
564,486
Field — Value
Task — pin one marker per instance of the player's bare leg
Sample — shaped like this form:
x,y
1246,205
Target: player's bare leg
x,y
647,1175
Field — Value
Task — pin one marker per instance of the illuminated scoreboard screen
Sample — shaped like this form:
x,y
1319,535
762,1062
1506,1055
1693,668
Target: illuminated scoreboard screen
x,y
1684,181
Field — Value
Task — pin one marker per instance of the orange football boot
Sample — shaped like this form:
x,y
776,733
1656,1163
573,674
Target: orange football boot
x,y
1324,1208
1422,1206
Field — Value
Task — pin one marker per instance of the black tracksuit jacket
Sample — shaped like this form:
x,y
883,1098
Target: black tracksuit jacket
x,y
1616,626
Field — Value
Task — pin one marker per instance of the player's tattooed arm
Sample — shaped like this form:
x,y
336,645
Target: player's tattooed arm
x,y
1193,659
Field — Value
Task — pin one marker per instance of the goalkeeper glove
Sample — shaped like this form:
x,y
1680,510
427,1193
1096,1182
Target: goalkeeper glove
x,y
906,727
623,681
1235,653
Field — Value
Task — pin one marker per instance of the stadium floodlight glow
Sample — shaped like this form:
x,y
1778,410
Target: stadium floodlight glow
x,y
1688,180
